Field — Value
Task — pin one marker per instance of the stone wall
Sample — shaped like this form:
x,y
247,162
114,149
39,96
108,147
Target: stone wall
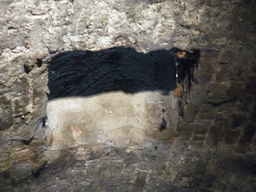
x,y
220,107
34,30
216,133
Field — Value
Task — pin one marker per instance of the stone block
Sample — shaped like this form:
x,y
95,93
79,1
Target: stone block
x,y
204,78
185,130
227,57
207,111
15,38
222,127
197,140
238,72
232,136
20,105
190,113
6,113
235,89
4,38
202,126
223,73
250,87
38,7
16,22
253,143
247,135
36,35
4,7
246,103
198,94
238,119
213,137
21,86
217,93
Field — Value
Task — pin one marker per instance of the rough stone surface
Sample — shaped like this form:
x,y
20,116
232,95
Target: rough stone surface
x,y
214,148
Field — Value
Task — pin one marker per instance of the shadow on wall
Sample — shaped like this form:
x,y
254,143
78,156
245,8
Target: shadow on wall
x,y
86,73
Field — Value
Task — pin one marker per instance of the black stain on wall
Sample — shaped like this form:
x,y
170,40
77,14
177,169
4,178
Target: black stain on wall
x,y
85,73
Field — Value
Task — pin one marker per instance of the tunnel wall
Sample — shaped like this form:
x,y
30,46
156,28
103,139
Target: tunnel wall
x,y
217,107
34,30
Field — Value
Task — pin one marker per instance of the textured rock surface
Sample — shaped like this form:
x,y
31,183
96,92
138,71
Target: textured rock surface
x,y
216,144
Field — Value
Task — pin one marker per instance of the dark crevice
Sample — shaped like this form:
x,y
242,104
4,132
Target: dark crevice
x,y
22,115
185,26
44,119
186,70
27,141
27,69
39,62
38,172
187,66
217,104
163,125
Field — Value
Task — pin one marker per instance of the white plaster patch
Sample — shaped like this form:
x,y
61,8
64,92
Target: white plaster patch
x,y
123,119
